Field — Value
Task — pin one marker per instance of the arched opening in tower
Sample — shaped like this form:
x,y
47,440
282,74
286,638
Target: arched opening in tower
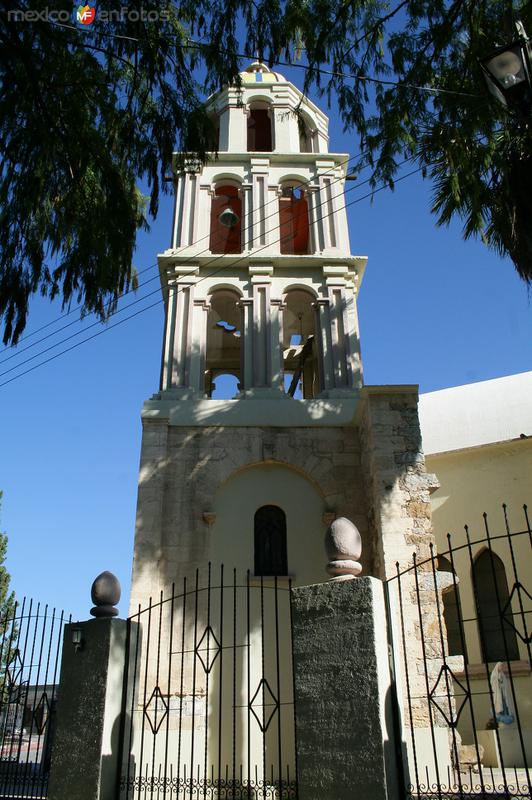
x,y
293,221
300,355
306,136
260,134
223,345
226,220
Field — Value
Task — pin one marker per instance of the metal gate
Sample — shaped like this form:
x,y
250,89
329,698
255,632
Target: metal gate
x,y
30,645
461,634
208,706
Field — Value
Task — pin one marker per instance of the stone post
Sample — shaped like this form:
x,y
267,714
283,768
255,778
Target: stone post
x,y
85,750
344,722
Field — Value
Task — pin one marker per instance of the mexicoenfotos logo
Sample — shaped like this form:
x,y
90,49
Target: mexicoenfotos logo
x,y
85,15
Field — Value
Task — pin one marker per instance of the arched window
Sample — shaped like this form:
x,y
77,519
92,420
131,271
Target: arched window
x,y
260,138
497,637
451,609
300,352
226,220
223,342
293,221
305,137
270,541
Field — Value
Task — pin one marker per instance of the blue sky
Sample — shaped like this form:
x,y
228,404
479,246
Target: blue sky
x,y
434,310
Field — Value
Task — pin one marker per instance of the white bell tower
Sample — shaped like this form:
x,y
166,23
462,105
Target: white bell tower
x,y
260,289
260,241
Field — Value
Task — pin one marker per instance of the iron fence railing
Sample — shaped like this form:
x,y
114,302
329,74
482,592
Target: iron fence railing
x,y
30,646
208,700
460,630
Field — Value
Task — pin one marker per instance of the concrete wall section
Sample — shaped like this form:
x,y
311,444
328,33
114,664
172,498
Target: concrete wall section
x,y
344,733
477,413
85,751
193,484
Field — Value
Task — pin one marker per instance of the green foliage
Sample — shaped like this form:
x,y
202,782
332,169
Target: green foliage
x,y
7,614
86,115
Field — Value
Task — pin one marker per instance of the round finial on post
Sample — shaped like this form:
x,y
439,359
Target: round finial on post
x,y
343,545
105,593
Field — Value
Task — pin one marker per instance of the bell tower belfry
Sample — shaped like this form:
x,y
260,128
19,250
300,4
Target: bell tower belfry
x,y
260,290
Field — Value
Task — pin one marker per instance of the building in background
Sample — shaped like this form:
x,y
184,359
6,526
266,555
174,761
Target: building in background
x,y
477,439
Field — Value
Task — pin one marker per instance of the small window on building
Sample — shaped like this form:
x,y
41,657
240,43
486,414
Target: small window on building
x,y
451,610
497,637
293,219
260,137
270,541
226,221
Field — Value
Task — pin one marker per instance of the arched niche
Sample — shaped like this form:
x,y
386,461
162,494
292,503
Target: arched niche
x,y
300,352
498,639
294,228
307,134
260,128
223,337
235,506
226,219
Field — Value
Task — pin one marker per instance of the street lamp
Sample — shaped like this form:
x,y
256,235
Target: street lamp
x,y
508,73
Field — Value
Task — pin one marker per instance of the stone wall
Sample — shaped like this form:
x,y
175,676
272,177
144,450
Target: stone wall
x,y
398,490
182,468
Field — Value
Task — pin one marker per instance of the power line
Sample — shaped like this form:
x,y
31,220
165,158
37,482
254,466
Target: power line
x,y
62,316
277,62
69,324
207,236
147,308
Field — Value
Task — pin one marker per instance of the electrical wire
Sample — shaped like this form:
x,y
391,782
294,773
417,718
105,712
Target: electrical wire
x,y
277,62
301,184
225,266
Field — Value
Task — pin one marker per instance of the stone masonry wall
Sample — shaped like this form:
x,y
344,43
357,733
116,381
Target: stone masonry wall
x,y
398,490
182,468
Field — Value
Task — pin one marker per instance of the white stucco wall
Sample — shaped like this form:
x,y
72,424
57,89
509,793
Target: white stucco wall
x,y
476,414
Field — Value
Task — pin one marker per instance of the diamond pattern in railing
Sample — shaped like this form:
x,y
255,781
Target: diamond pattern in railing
x,y
41,714
211,649
156,710
453,715
518,619
265,686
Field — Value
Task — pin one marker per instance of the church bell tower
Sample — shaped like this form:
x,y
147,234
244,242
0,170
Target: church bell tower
x,y
260,290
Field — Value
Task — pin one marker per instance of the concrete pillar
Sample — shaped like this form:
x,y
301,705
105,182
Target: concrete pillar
x,y
246,347
336,292
313,200
247,211
168,346
259,170
261,333
323,335
182,334
204,218
85,751
198,345
344,713
276,343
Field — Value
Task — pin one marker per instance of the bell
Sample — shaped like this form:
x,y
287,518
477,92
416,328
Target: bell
x,y
228,218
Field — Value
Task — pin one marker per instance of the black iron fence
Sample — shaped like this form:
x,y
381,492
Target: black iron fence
x,y
208,701
460,628
30,645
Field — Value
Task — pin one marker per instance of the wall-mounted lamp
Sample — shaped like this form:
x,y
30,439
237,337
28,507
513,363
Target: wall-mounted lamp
x,y
77,639
508,73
